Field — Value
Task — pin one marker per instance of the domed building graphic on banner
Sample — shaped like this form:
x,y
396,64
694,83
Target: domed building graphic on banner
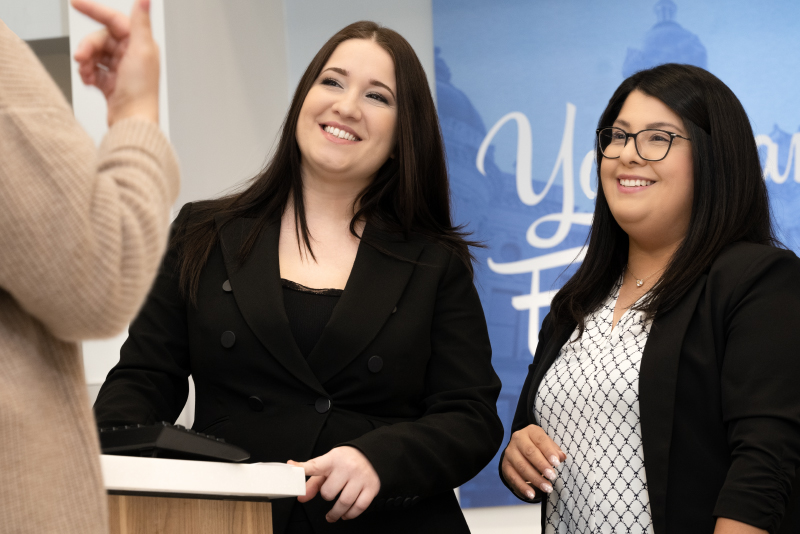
x,y
669,42
666,42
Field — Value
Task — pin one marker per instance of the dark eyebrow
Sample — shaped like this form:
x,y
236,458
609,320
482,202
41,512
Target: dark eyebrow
x,y
659,125
653,125
337,69
381,84
376,83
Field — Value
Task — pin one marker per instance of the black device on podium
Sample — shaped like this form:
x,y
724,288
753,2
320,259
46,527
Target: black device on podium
x,y
164,440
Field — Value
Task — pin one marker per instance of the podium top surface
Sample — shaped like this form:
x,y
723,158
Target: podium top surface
x,y
135,475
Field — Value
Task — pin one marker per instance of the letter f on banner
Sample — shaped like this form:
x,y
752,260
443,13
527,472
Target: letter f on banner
x,y
537,298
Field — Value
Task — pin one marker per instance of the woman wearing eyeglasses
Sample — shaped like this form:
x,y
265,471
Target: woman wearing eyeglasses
x,y
663,394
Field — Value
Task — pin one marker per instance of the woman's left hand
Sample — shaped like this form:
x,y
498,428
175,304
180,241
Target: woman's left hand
x,y
343,470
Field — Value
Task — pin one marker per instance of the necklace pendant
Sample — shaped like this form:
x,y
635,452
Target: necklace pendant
x,y
639,283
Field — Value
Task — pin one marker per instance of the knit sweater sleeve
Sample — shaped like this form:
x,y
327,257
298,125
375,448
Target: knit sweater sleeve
x,y
82,230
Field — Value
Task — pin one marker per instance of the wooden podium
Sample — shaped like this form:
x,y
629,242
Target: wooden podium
x,y
159,496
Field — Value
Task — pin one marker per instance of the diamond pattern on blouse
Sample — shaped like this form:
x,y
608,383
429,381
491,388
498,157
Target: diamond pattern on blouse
x,y
588,403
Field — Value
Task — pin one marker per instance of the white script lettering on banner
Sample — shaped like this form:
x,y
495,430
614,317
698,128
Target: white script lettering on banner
x,y
771,163
565,218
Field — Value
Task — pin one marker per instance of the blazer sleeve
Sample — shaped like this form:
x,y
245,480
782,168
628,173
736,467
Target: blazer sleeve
x,y
150,382
522,416
459,431
760,374
82,231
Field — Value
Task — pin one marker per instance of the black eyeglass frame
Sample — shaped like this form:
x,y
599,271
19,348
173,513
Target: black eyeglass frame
x,y
671,135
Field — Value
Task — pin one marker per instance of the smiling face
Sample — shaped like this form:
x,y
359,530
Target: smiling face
x,y
346,126
650,200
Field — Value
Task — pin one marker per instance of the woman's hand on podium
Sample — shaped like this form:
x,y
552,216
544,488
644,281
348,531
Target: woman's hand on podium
x,y
346,472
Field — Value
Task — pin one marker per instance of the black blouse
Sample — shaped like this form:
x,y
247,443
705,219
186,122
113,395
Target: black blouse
x,y
308,311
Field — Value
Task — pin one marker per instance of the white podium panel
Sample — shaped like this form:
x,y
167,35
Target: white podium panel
x,y
151,476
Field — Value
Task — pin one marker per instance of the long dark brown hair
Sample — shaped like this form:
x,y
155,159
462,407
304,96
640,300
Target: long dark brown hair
x,y
410,193
730,197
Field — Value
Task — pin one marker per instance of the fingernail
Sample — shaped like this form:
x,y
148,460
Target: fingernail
x,y
547,488
531,495
554,460
550,474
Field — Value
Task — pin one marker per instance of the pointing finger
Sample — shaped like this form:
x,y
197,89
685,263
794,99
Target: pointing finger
x,y
140,20
117,23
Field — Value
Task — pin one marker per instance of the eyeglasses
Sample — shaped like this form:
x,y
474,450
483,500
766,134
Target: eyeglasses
x,y
651,145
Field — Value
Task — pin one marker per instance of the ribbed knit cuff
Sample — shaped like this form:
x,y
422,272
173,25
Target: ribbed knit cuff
x,y
146,136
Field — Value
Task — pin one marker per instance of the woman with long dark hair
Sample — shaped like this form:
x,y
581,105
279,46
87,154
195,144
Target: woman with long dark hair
x,y
663,393
327,312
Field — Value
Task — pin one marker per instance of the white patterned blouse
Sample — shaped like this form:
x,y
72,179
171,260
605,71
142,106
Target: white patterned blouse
x,y
588,403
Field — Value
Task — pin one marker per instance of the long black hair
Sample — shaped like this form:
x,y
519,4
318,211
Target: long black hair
x,y
410,193
730,200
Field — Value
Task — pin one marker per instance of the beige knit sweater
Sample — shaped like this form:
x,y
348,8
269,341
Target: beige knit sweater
x,y
81,235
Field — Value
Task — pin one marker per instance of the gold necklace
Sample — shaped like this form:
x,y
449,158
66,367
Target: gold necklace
x,y
640,281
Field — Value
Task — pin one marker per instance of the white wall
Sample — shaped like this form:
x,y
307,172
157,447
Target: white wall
x,y
35,19
227,95
310,23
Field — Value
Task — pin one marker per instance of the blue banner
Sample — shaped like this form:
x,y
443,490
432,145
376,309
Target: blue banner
x,y
520,87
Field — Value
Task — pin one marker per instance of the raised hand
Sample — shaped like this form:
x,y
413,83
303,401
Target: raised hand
x,y
121,60
346,472
530,461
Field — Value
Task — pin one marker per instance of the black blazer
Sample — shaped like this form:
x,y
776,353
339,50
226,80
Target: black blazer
x,y
719,396
425,418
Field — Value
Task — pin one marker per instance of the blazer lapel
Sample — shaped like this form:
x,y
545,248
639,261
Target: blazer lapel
x,y
657,388
259,296
373,289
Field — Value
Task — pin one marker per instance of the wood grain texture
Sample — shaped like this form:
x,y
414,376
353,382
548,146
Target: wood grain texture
x,y
164,515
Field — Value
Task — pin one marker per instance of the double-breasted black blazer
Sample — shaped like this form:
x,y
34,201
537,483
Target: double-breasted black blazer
x,y
719,396
423,412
